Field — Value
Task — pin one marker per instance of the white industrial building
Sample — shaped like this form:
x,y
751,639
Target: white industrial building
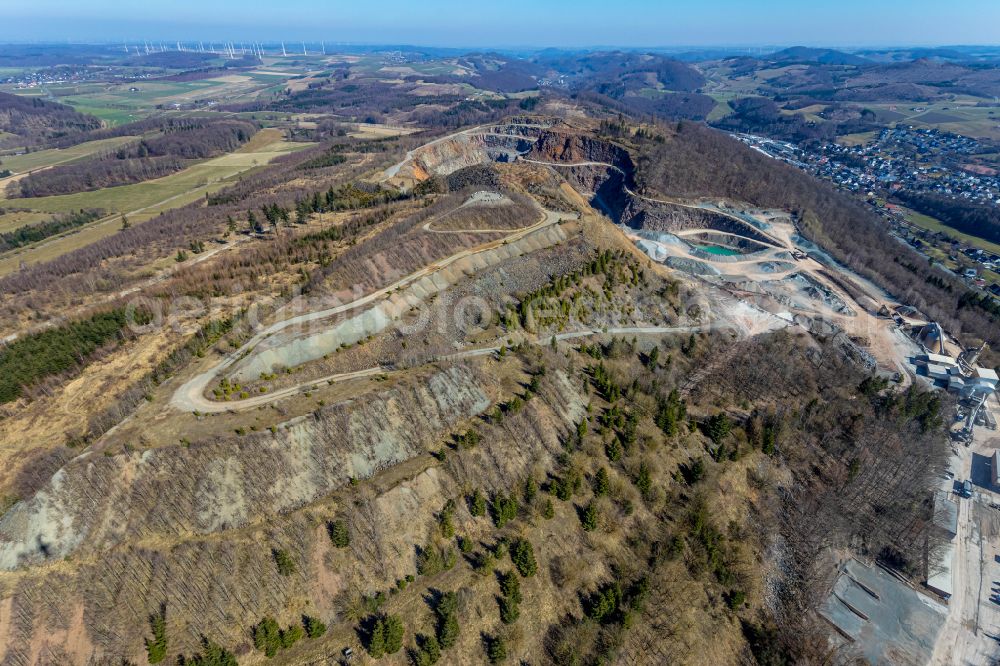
x,y
968,381
939,578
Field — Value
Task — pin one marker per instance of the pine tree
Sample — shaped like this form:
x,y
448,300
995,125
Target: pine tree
x,y
428,650
643,480
522,554
286,565
267,636
339,534
602,482
447,612
156,649
314,626
548,510
496,650
376,640
588,518
477,504
393,634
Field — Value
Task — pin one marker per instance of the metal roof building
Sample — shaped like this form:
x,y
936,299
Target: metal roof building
x,y
945,513
939,578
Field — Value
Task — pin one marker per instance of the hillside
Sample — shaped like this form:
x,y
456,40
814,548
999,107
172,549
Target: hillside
x,y
474,418
35,121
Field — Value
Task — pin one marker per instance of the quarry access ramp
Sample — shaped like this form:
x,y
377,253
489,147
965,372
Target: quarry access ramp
x,y
203,405
395,299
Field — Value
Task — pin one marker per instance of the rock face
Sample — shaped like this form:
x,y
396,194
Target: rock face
x,y
280,351
193,528
554,146
494,144
206,488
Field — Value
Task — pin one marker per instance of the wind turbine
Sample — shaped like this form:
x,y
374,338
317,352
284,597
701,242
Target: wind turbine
x,y
283,52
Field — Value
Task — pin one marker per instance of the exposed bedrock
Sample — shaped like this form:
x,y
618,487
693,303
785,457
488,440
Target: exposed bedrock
x,y
281,351
553,146
103,500
609,194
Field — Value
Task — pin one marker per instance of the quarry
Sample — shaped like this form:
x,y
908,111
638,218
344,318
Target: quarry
x,y
532,331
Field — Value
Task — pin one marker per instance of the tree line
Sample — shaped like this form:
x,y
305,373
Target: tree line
x,y
143,160
32,233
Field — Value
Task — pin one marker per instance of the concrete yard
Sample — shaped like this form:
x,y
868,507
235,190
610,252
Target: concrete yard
x,y
886,620
971,634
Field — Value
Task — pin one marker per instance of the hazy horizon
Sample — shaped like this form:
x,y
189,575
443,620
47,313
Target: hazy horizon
x,y
517,24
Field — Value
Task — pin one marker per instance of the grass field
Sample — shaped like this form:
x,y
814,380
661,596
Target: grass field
x,y
11,220
46,158
119,103
721,110
127,198
143,201
932,224
856,139
960,117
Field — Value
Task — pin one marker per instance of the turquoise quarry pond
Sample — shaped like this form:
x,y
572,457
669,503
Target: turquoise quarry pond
x,y
718,249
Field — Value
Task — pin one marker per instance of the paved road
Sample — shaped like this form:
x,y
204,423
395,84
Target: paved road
x,y
971,629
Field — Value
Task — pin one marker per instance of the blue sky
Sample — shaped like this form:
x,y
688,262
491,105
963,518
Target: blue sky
x,y
471,23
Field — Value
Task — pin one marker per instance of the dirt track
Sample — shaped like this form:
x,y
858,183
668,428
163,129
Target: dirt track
x,y
190,396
